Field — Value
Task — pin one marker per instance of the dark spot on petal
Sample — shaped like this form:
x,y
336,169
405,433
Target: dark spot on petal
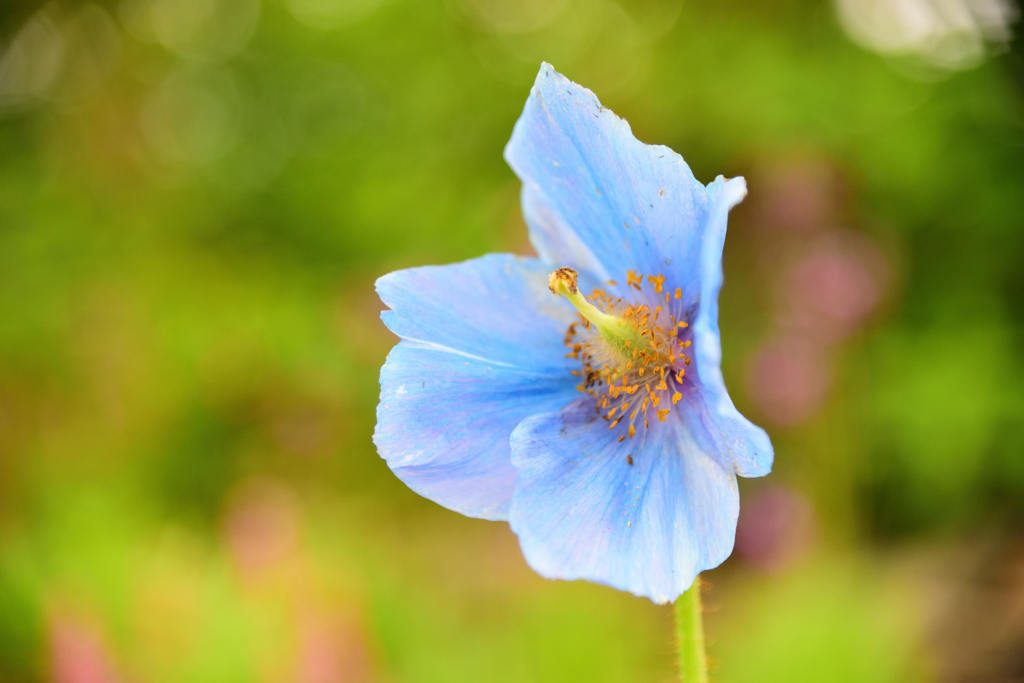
x,y
629,459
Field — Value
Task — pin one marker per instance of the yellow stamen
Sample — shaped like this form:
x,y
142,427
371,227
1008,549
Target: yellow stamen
x,y
614,331
624,347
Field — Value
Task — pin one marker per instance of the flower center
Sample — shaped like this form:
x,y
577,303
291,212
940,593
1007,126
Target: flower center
x,y
632,357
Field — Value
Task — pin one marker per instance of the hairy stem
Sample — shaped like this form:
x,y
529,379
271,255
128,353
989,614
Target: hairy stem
x,y
693,662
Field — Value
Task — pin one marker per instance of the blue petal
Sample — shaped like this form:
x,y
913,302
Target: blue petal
x,y
713,420
599,200
481,350
581,511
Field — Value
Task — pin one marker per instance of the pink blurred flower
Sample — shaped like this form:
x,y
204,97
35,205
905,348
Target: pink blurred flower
x,y
788,378
332,651
261,525
829,291
77,652
800,198
776,527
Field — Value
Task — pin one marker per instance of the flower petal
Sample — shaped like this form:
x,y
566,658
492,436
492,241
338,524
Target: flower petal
x,y
581,511
596,198
713,420
481,350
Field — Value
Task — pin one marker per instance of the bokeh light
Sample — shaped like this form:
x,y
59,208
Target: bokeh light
x,y
948,34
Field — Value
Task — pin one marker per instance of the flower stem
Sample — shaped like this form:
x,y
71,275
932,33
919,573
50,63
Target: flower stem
x,y
693,662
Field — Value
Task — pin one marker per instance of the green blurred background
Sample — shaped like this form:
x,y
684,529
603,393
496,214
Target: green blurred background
x,y
196,197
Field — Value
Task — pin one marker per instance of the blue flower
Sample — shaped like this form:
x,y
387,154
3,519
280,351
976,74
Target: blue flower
x,y
596,422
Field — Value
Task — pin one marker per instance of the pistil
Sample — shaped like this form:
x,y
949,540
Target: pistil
x,y
624,348
620,336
